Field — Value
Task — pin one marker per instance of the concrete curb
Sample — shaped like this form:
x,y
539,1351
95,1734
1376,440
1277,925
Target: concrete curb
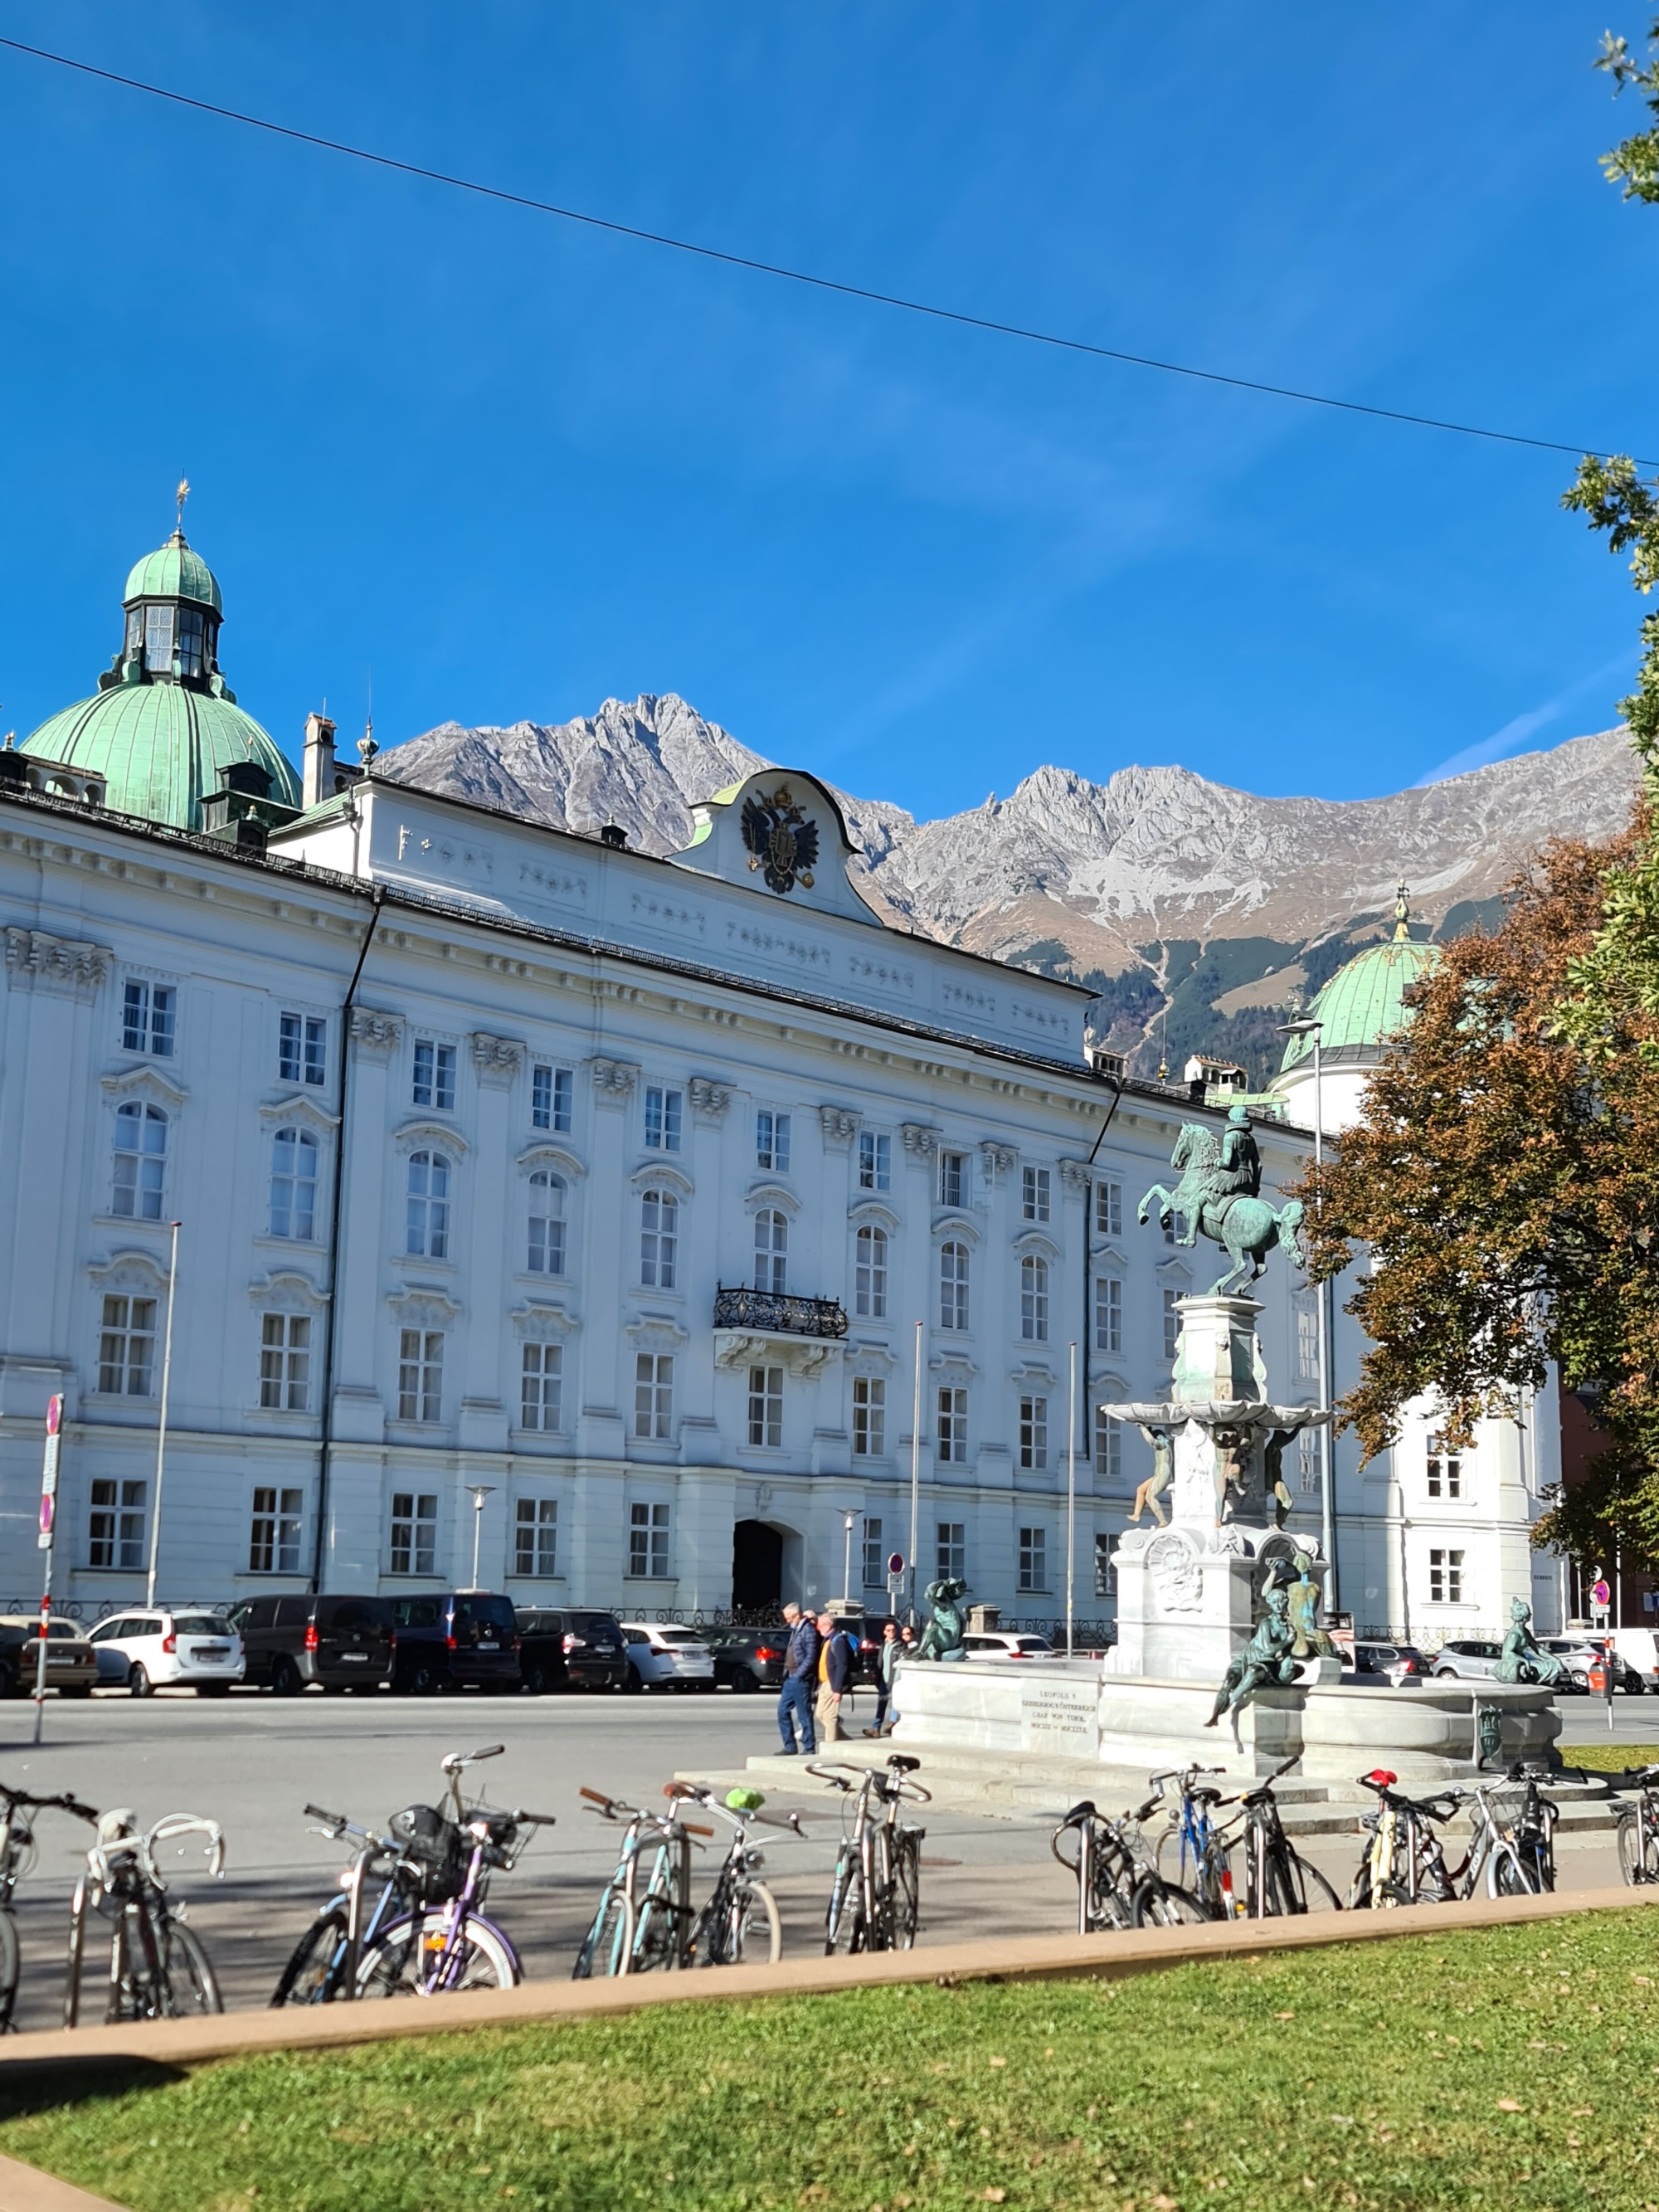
x,y
26,2189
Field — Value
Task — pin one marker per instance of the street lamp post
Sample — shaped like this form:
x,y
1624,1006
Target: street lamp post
x,y
1071,1508
916,1474
848,1521
1310,1025
161,1424
479,1492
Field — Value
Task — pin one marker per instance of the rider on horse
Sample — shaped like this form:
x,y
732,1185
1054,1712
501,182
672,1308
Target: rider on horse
x,y
1238,1172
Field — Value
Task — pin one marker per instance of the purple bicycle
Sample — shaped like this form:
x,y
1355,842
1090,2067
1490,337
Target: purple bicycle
x,y
449,1944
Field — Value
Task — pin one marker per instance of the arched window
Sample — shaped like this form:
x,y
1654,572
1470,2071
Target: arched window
x,y
953,1286
546,1224
659,1237
771,1249
1034,1298
293,1183
870,1274
429,1207
140,1160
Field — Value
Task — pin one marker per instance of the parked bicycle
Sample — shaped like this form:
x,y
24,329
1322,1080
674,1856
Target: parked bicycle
x,y
1193,1850
1404,1862
740,1922
1639,1824
875,1894
323,1969
1113,1858
643,1919
1276,1878
157,1968
17,1855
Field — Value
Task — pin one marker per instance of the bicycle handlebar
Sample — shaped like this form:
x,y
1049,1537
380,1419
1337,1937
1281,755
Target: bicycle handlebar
x,y
63,1803
453,1761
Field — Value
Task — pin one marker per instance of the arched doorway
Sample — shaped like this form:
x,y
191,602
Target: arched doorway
x,y
756,1565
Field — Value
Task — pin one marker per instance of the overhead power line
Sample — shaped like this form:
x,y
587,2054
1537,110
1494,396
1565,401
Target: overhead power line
x,y
937,313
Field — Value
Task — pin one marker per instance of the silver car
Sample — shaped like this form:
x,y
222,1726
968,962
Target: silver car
x,y
145,1652
1467,1659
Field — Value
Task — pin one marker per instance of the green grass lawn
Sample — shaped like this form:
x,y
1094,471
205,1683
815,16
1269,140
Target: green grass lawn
x,y
1515,2067
1610,1756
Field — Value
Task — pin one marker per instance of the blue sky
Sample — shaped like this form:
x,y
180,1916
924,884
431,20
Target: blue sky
x,y
514,466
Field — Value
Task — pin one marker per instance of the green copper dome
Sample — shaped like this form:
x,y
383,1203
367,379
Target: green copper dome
x,y
1363,1007
173,572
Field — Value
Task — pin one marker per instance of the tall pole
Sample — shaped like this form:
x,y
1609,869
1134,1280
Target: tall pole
x,y
48,1531
479,1492
916,1474
1071,1506
848,1519
1327,1438
162,1426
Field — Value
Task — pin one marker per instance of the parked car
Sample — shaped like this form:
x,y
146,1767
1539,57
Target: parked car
x,y
747,1659
1578,1654
1372,1664
571,1649
455,1640
1001,1643
663,1656
153,1651
1638,1647
344,1643
1467,1659
71,1663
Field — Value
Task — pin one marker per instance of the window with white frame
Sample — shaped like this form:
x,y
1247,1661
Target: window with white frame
x,y
953,1286
1105,1566
648,1543
1034,1559
1445,1578
115,1525
552,1091
433,1081
126,1347
285,1362
421,1375
771,1250
766,1407
1444,1469
1109,1209
659,1239
541,1386
140,1161
875,1563
1310,1458
301,1048
1307,1341
653,1395
664,1113
950,1551
1033,1433
1171,1324
536,1538
546,1254
427,1202
294,1164
273,1545
1109,1314
1034,1298
1036,1194
1175,1227
414,1548
1109,1447
953,1427
148,1011
772,1141
954,1179
875,1161
869,1416
870,1273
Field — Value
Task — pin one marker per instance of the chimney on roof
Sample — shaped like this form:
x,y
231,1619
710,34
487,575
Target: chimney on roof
x,y
614,835
317,780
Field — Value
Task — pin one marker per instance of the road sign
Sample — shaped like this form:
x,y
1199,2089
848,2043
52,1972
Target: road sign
x,y
896,1563
1600,1596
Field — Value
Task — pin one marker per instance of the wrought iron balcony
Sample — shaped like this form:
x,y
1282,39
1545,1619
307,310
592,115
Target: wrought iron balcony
x,y
773,1313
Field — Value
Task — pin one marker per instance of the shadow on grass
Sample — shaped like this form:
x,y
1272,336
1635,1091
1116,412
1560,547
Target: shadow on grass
x,y
32,2087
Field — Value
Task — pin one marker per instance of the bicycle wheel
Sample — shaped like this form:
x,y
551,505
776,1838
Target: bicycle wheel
x,y
310,1976
1508,1875
186,1982
608,1946
655,1948
77,1955
1159,1904
1292,1885
9,1967
1638,1849
906,1891
407,1958
844,1930
754,1929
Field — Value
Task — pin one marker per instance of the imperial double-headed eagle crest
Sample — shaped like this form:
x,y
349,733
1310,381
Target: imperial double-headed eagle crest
x,y
782,842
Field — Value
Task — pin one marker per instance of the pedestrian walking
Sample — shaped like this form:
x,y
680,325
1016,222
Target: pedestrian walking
x,y
800,1669
835,1672
888,1655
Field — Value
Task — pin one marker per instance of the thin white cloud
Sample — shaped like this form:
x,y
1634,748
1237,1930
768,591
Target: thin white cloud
x,y
1514,734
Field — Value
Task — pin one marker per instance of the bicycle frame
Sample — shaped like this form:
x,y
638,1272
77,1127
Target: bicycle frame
x,y
123,1881
874,1838
668,1889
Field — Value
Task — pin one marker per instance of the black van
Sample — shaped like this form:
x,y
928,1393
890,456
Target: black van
x,y
571,1648
455,1639
344,1643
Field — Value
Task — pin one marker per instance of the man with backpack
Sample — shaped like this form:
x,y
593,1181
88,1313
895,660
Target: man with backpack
x,y
835,1673
800,1670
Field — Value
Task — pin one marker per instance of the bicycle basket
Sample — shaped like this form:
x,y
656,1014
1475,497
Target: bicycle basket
x,y
433,1844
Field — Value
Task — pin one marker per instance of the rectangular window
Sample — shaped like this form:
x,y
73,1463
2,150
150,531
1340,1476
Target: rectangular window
x,y
414,1532
662,1119
654,1394
870,1273
1109,1447
1105,1566
552,1090
1310,1458
434,1075
1109,1314
1306,1341
1034,1559
1445,1578
766,1407
285,1362
421,1377
274,1536
536,1538
869,1417
772,1142
659,1216
303,1048
158,639
147,1012
1171,1324
115,1526
951,1552
875,1161
1035,1196
954,1186
1109,1209
875,1563
541,1398
648,1543
1034,1298
1033,1433
953,1427
1445,1471
126,1347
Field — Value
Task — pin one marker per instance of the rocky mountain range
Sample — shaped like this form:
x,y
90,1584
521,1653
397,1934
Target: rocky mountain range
x,y
1194,908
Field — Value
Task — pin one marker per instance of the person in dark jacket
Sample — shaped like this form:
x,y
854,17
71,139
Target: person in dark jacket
x,y
835,1673
800,1672
887,1658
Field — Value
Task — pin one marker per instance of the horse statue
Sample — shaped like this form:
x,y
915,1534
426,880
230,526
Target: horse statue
x,y
1218,1194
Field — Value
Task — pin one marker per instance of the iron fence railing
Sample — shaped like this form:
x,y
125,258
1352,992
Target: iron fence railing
x,y
778,1313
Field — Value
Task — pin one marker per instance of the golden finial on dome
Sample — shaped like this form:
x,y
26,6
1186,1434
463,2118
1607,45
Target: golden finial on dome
x,y
181,495
1401,914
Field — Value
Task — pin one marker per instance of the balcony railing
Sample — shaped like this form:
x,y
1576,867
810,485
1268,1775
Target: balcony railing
x,y
775,1314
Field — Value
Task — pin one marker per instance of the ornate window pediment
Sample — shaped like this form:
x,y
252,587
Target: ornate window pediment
x,y
146,1082
863,1358
1174,1270
1031,1372
424,1135
1034,1240
771,1193
299,1111
538,1322
657,1175
955,1367
129,1271
960,1227
421,1307
1109,1257
649,1332
554,1158
871,1214
284,1289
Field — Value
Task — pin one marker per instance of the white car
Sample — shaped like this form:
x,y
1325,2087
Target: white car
x,y
999,1643
662,1656
149,1651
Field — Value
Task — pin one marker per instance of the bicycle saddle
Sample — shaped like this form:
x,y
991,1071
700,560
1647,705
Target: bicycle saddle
x,y
902,1763
1084,1810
